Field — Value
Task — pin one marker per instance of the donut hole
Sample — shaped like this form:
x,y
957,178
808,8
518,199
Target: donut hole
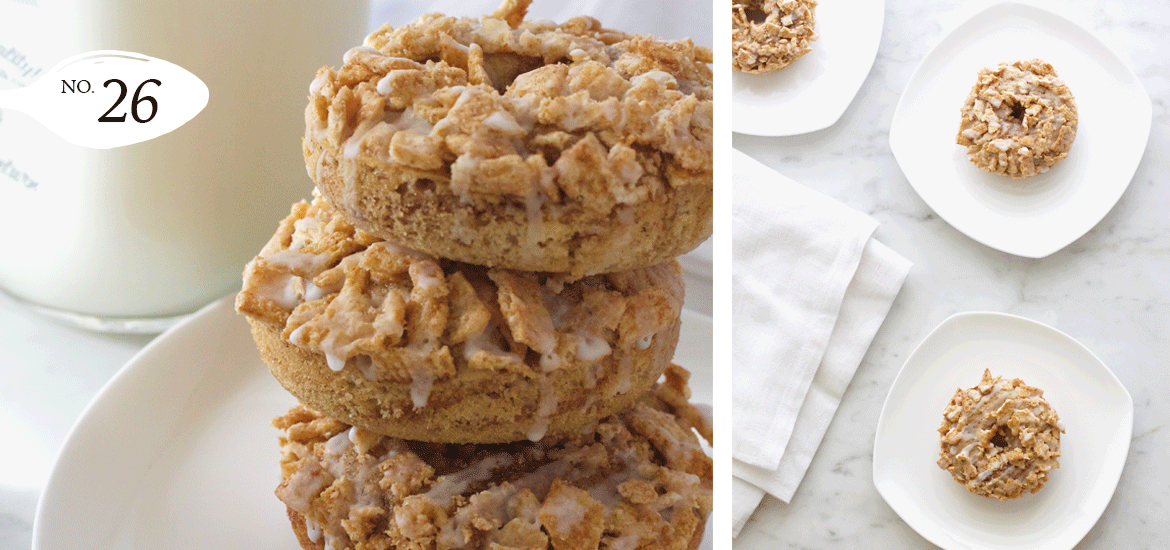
x,y
1018,111
503,67
754,14
550,154
1000,439
422,185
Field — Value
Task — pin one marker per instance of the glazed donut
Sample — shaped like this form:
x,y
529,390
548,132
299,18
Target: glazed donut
x,y
1019,119
637,480
519,144
407,345
1000,438
768,35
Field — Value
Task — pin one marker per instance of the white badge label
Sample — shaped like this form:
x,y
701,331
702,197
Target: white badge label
x,y
108,98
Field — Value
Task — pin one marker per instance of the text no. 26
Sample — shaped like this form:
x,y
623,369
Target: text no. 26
x,y
83,86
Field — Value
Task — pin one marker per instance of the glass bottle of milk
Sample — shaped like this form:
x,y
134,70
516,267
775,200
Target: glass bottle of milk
x,y
134,237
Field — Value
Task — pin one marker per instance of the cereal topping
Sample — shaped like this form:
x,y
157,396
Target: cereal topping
x,y
506,109
1000,438
768,35
1019,119
619,485
401,316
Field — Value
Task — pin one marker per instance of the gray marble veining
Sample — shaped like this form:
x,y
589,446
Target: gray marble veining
x,y
1110,289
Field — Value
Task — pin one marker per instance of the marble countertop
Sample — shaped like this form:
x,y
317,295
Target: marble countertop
x,y
1109,289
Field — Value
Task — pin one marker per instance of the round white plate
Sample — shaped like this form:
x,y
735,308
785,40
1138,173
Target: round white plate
x,y
1096,409
1031,217
814,91
698,261
177,451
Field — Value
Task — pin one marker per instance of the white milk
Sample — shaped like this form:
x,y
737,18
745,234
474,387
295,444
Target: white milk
x,y
162,227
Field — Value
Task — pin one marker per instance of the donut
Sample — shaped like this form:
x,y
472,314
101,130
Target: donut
x,y
1019,120
1000,438
523,145
407,345
768,35
635,480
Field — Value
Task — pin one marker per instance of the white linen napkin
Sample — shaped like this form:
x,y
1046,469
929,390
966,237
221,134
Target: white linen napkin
x,y
810,288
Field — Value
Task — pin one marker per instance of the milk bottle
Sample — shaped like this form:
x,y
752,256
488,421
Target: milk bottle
x,y
133,237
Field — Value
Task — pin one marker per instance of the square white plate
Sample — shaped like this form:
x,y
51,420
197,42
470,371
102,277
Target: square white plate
x,y
1036,216
1096,409
814,91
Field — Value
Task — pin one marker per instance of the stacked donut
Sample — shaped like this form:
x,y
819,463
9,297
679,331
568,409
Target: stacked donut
x,y
479,308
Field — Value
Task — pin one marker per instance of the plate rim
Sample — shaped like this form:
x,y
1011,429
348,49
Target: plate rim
x,y
82,424
94,419
932,531
740,125
1030,11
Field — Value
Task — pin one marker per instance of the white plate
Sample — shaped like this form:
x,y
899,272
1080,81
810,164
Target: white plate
x,y
1096,409
699,260
1036,216
177,451
814,91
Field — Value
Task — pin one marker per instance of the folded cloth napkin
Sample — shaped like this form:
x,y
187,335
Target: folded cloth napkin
x,y
810,288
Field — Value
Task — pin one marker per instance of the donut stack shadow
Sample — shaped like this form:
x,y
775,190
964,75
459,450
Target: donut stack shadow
x,y
479,308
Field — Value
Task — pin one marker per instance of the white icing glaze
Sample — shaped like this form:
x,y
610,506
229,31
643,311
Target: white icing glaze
x,y
456,483
314,292
400,250
645,341
661,77
296,335
299,489
534,206
590,348
550,362
625,365
335,362
427,274
504,123
409,121
568,513
485,342
489,506
544,409
353,145
281,290
383,86
318,83
345,58
312,530
338,444
303,262
422,380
